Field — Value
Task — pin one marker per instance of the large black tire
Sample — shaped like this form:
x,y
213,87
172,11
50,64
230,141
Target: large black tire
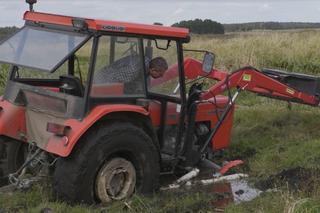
x,y
12,155
75,177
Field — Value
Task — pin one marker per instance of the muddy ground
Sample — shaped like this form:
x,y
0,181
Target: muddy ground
x,y
297,179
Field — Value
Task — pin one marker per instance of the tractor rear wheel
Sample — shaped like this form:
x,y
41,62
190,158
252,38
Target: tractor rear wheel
x,y
111,163
13,153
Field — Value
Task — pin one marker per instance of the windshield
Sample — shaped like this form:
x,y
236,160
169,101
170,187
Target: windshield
x,y
40,48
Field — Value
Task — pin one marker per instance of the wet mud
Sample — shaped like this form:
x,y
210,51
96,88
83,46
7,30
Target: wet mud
x,y
295,180
305,180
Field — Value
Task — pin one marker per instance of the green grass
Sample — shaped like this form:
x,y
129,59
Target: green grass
x,y
40,197
266,134
277,136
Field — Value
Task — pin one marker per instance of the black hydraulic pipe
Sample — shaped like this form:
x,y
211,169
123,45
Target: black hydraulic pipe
x,y
183,100
221,121
92,64
189,140
71,65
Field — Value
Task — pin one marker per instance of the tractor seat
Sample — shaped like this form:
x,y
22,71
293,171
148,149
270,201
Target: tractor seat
x,y
70,84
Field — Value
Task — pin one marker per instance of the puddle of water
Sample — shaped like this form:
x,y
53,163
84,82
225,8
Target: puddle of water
x,y
230,189
242,191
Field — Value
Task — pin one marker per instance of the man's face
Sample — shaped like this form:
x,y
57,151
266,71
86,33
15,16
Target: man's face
x,y
157,73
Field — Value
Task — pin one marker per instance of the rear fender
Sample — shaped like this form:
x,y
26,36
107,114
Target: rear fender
x,y
12,120
63,146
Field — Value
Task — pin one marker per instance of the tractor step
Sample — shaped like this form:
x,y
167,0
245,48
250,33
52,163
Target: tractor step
x,y
304,83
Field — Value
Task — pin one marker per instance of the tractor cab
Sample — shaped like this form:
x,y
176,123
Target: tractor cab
x,y
83,63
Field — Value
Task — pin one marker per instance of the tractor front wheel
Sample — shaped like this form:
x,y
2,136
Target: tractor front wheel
x,y
111,162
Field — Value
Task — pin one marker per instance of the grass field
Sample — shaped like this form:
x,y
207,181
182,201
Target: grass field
x,y
281,146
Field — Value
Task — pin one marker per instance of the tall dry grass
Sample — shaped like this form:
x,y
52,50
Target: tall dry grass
x,y
297,51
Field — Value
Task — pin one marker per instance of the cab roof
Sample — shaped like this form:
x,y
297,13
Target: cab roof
x,y
109,26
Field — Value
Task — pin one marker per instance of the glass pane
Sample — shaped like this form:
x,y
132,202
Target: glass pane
x,y
81,67
119,68
61,80
163,67
39,48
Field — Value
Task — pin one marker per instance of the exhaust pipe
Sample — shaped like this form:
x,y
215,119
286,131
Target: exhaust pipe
x,y
31,3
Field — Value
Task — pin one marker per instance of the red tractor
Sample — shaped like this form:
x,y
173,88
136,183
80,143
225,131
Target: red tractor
x,y
105,133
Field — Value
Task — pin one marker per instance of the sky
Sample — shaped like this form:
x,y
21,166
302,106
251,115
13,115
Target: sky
x,y
169,11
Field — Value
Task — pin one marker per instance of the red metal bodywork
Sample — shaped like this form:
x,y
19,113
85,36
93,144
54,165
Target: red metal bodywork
x,y
251,79
230,165
13,124
12,120
60,146
111,26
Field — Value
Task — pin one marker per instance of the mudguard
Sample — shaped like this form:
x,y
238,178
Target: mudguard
x,y
63,146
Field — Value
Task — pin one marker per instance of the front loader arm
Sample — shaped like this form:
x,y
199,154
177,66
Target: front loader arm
x,y
251,79
246,78
281,85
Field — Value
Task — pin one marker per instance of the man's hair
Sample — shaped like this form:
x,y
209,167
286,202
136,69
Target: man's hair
x,y
158,63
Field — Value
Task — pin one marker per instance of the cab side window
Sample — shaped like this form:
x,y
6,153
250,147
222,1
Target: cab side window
x,y
162,66
119,68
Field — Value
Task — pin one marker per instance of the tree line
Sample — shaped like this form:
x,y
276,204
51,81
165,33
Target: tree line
x,y
6,31
208,26
269,26
200,26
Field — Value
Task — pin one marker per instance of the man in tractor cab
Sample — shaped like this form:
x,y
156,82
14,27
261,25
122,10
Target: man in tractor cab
x,y
127,70
157,67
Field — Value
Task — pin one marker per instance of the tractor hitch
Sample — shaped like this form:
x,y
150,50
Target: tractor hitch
x,y
37,163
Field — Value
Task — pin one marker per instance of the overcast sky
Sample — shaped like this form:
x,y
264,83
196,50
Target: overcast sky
x,y
169,11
